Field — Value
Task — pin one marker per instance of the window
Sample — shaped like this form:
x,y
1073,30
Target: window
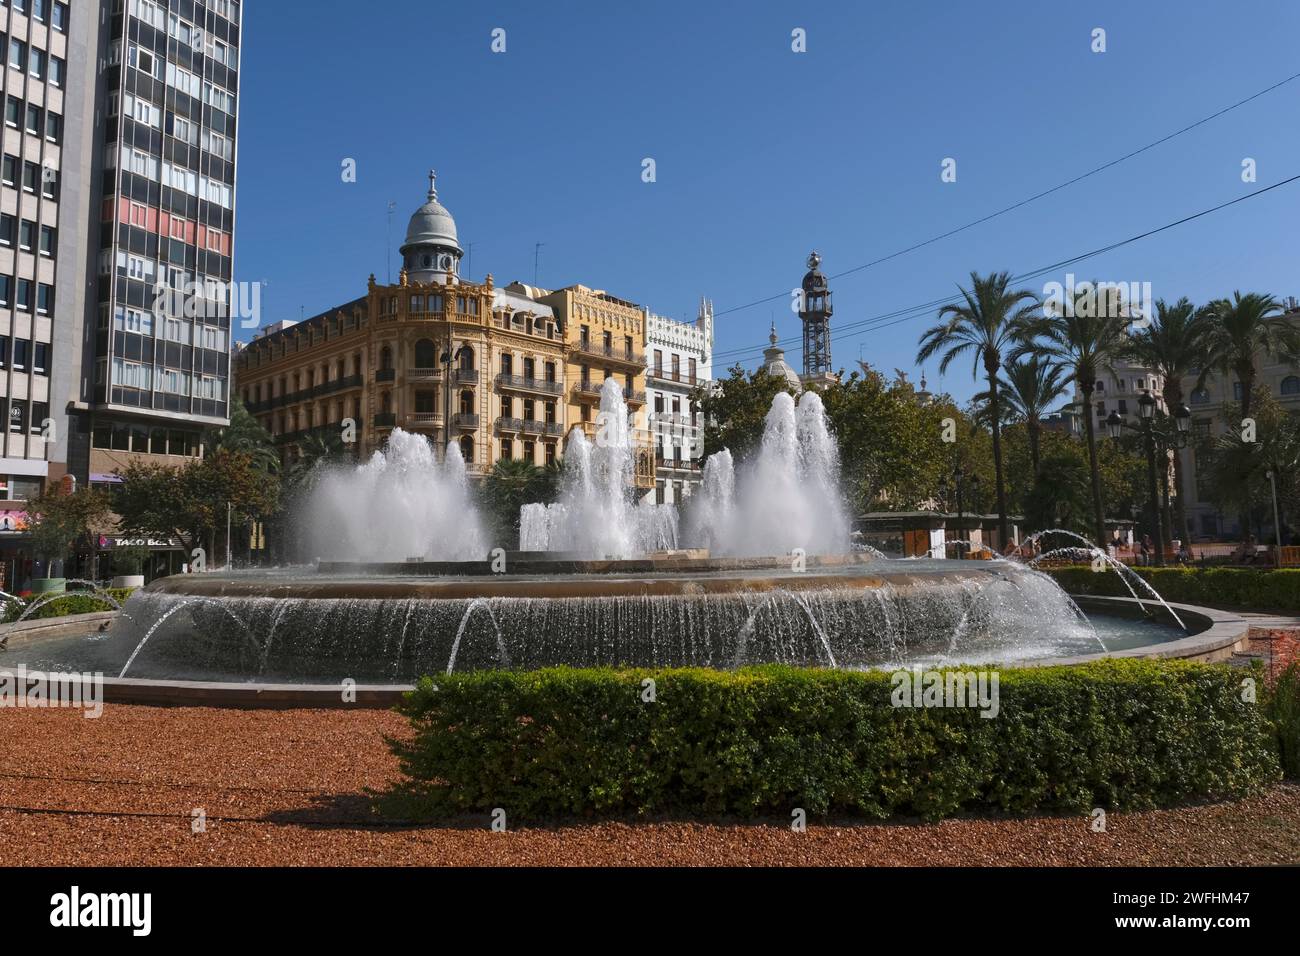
x,y
17,54
26,235
31,174
1200,396
50,183
1236,391
53,127
142,111
41,358
39,11
131,374
36,63
143,60
60,17
33,119
1291,385
5,284
57,71
13,109
24,301
127,319
7,223
10,174
22,348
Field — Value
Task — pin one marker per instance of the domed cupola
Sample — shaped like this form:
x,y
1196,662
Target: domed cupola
x,y
432,250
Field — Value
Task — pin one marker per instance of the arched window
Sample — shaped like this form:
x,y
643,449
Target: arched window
x,y
467,449
1291,385
467,402
466,357
1200,396
426,354
386,357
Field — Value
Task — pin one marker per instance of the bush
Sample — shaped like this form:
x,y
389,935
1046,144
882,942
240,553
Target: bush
x,y
557,742
1284,709
1247,588
74,602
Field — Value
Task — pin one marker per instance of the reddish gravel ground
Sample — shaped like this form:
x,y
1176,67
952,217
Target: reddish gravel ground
x,y
286,788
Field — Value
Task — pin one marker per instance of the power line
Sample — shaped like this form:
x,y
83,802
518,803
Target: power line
x,y
910,312
1034,198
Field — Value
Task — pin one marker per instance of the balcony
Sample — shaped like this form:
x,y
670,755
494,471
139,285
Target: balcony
x,y
385,420
610,353
532,426
555,429
512,425
590,391
424,420
465,420
465,376
523,383
422,374
385,375
673,378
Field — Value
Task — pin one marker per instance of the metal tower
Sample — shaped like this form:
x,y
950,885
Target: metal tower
x,y
816,317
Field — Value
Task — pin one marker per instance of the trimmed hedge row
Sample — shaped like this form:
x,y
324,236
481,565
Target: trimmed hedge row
x,y
1284,708
1246,588
559,742
75,602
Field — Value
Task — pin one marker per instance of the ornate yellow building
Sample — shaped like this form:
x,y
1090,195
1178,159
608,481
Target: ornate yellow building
x,y
605,338
434,354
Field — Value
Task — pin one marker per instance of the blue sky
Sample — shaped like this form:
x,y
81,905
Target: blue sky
x,y
763,154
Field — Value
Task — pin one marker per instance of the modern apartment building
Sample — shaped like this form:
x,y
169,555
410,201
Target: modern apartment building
x,y
116,237
679,357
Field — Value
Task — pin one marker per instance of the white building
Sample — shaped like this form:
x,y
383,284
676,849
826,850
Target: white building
x,y
679,359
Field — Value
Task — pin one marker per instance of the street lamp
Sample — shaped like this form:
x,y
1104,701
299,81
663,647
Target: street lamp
x,y
961,479
1277,520
448,357
1152,433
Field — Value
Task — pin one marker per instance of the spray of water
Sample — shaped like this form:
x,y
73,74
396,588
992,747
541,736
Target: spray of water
x,y
788,497
595,515
404,502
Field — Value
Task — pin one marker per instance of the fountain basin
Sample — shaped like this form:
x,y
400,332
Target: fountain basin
x,y
292,637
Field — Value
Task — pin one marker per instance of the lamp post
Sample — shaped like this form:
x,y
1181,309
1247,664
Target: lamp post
x,y
960,479
448,358
1151,431
1277,520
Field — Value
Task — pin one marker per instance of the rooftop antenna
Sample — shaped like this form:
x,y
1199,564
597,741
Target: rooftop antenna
x,y
392,208
537,253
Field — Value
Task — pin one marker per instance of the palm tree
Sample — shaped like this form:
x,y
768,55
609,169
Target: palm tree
x,y
989,321
511,484
245,435
1032,386
1173,346
1084,336
1239,330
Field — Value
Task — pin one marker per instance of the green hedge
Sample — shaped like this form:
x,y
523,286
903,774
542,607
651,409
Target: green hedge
x,y
1246,588
1284,708
75,602
559,742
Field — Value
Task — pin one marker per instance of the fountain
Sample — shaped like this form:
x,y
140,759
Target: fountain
x,y
594,517
408,584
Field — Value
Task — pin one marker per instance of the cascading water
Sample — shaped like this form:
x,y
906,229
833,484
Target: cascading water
x,y
403,503
788,497
595,516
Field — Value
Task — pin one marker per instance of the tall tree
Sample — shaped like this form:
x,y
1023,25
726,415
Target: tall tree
x,y
1174,347
244,435
1085,335
1030,388
1242,329
735,409
58,520
990,321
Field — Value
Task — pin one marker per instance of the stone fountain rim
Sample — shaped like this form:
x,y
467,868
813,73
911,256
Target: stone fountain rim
x,y
1226,633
